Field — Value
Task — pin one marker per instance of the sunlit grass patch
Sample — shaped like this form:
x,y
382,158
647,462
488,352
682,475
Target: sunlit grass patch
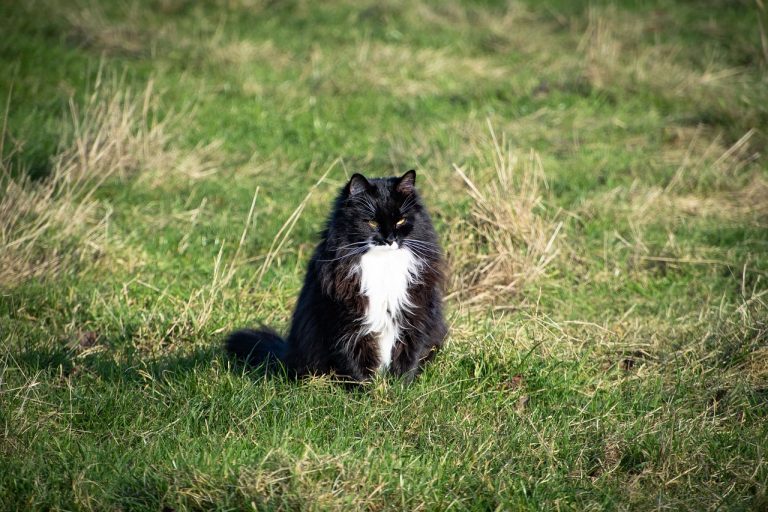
x,y
606,238
619,57
59,220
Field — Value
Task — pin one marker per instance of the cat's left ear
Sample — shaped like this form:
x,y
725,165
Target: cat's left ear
x,y
407,183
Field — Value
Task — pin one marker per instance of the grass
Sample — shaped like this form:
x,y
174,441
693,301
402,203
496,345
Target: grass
x,y
596,172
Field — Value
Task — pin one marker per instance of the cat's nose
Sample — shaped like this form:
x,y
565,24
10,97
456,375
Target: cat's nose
x,y
390,238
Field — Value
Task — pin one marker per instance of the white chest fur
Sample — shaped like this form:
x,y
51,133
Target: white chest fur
x,y
386,273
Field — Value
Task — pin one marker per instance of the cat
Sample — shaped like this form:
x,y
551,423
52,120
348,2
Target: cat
x,y
371,302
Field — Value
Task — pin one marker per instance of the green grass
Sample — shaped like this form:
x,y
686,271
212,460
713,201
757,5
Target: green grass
x,y
622,366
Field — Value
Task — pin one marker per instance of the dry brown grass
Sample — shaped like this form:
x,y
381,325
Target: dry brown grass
x,y
244,51
515,29
616,55
508,239
50,224
403,71
740,342
397,70
704,160
89,27
747,203
710,180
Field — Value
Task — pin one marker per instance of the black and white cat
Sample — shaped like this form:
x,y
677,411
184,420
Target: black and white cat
x,y
372,297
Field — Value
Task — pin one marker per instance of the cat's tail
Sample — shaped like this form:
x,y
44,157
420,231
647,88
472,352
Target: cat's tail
x,y
257,347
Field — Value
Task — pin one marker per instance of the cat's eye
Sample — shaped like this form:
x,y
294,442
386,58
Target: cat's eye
x,y
400,222
373,224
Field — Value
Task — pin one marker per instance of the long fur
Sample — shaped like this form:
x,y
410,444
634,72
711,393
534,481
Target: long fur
x,y
372,297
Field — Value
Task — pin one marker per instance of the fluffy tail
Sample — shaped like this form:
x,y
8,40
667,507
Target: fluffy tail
x,y
257,347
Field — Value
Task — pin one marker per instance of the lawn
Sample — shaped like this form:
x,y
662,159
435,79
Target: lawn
x,y
596,172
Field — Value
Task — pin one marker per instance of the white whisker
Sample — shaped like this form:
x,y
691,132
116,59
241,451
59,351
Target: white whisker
x,y
349,255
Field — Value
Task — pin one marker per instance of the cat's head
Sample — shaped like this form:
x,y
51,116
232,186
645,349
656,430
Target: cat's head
x,y
383,212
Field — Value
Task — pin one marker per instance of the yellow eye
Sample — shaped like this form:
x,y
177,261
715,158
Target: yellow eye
x,y
400,222
373,224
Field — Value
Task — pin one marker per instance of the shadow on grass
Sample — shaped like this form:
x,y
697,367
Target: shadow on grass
x,y
107,363
131,366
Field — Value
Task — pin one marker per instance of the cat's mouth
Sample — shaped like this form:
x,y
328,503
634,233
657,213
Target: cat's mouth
x,y
384,246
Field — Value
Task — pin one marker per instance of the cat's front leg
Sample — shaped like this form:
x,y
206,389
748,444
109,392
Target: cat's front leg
x,y
358,357
411,353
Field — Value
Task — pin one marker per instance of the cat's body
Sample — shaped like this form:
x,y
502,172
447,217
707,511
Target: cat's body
x,y
372,297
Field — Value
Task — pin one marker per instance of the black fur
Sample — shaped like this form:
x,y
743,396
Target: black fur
x,y
326,334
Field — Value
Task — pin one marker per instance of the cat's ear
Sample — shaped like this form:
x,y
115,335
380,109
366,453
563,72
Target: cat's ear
x,y
358,184
406,183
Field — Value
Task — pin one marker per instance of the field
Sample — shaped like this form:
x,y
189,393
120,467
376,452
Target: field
x,y
597,174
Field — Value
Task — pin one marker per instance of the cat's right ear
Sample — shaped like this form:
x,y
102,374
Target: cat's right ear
x,y
358,184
